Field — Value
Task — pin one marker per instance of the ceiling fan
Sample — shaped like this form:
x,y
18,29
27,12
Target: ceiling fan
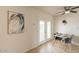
x,y
68,9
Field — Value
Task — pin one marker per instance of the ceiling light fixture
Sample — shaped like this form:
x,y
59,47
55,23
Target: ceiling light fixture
x,y
67,12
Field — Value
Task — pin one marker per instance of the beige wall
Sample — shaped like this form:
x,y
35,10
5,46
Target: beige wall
x,y
72,27
23,41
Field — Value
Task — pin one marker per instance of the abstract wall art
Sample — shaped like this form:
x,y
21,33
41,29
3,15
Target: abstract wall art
x,y
15,22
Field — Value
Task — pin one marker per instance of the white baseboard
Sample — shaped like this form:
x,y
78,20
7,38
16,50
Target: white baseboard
x,y
8,51
38,44
75,43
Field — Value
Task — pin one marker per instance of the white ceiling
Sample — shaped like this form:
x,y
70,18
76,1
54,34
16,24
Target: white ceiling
x,y
50,9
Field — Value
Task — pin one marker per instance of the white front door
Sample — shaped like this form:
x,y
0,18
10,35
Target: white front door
x,y
41,30
49,30
44,30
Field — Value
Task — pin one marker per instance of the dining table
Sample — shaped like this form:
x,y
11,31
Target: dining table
x,y
62,37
